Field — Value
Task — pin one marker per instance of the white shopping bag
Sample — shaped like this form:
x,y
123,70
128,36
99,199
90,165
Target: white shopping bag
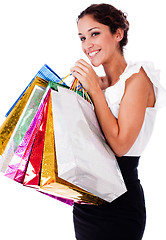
x,y
84,158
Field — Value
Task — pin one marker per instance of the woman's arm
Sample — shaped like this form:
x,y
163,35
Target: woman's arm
x,y
120,133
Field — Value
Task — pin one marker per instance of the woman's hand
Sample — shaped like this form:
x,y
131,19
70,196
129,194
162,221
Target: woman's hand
x,y
86,76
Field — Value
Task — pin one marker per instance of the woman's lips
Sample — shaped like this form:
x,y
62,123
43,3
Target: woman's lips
x,y
92,54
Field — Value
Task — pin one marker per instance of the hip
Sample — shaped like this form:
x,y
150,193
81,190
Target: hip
x,y
130,204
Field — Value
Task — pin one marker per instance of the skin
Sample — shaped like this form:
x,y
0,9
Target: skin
x,y
96,38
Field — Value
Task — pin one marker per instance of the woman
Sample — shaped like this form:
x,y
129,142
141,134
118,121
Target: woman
x,y
125,101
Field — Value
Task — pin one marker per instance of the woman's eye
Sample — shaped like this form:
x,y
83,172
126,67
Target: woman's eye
x,y
95,34
82,39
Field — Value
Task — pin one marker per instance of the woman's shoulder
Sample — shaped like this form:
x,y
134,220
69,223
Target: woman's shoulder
x,y
139,76
142,68
134,68
135,76
144,74
141,83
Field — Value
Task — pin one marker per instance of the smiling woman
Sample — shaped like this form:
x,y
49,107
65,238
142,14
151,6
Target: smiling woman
x,y
97,42
93,32
108,16
125,100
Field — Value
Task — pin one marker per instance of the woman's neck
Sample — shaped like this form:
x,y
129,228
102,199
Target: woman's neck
x,y
114,68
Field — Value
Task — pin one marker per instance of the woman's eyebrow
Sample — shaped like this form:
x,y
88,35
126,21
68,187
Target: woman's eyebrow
x,y
89,30
92,29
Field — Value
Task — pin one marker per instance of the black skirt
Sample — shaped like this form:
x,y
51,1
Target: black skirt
x,y
122,219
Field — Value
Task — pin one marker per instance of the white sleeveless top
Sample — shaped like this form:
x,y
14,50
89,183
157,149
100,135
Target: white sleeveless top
x,y
114,94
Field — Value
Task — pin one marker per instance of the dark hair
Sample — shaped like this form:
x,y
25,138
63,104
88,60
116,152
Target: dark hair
x,y
110,16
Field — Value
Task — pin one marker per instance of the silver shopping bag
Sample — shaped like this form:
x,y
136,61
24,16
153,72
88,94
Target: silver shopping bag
x,y
83,156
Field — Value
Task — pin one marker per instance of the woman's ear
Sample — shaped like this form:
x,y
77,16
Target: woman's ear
x,y
119,34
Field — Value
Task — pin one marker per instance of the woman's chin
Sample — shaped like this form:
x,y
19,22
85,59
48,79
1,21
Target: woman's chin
x,y
95,63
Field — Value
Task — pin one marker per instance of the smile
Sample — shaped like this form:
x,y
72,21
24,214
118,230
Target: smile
x,y
93,53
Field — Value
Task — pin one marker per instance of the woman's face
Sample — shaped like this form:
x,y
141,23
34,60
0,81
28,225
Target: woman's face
x,y
98,43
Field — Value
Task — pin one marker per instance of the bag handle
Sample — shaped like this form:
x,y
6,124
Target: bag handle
x,y
77,87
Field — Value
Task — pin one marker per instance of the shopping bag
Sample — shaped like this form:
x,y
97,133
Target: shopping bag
x,y
45,73
22,140
83,156
21,156
22,126
32,175
12,119
50,183
64,200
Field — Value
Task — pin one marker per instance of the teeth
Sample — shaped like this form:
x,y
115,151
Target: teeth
x,y
93,53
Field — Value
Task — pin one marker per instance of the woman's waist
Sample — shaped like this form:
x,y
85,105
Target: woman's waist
x,y
128,166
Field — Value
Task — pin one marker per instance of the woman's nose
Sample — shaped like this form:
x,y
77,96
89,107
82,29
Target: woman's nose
x,y
88,44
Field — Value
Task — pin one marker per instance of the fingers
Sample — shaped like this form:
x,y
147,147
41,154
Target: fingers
x,y
79,70
85,74
81,67
78,76
83,63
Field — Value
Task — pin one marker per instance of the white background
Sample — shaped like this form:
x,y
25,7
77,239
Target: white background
x,y
36,32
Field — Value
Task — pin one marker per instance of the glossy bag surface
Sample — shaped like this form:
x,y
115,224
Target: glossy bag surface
x,y
84,158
